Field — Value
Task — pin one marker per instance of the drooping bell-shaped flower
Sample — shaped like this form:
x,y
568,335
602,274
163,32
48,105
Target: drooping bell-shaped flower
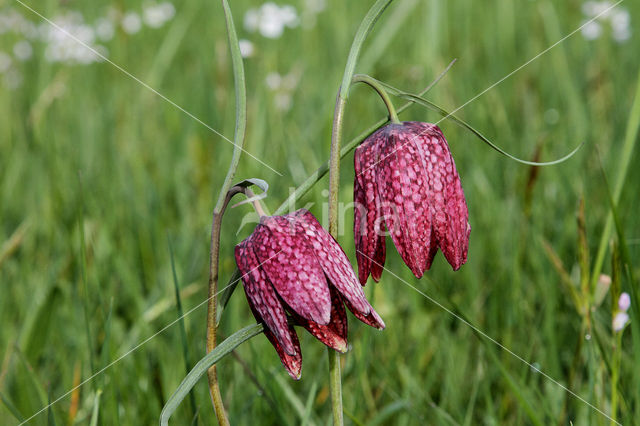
x,y
406,182
294,272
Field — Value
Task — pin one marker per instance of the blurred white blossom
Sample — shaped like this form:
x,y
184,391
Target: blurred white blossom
x,y
67,40
270,19
12,79
311,9
131,23
105,29
591,30
246,48
22,50
620,320
273,80
5,62
156,15
624,302
617,17
315,6
283,87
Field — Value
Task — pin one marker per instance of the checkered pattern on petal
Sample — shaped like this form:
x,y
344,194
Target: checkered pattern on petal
x,y
293,269
263,298
292,363
402,191
333,334
367,208
333,260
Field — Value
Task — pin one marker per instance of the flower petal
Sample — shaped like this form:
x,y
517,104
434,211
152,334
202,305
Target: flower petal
x,y
403,192
333,260
372,318
333,334
263,298
448,205
292,363
292,268
367,210
377,264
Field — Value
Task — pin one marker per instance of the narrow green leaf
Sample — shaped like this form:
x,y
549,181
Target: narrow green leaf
x,y
630,140
308,183
446,115
223,349
263,185
223,300
361,35
183,331
11,407
241,104
96,408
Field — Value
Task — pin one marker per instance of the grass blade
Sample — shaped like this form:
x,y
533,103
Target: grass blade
x,y
630,140
183,331
446,115
203,365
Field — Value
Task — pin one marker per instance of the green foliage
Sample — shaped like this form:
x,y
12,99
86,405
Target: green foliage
x,y
147,170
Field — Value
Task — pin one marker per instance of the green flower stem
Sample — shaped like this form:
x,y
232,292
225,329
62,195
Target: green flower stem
x,y
363,78
212,305
334,177
311,180
216,225
335,381
223,200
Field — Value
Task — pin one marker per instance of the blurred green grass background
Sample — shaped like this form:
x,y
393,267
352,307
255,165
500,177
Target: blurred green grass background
x,y
98,174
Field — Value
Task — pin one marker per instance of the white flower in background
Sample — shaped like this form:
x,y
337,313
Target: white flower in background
x,y
131,23
621,25
5,62
283,87
594,8
67,44
273,80
591,30
157,15
22,50
309,14
13,79
67,39
315,6
246,48
283,101
270,19
105,29
618,18
624,302
620,320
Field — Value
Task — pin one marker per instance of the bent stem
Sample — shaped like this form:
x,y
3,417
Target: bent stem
x,y
212,303
375,84
223,200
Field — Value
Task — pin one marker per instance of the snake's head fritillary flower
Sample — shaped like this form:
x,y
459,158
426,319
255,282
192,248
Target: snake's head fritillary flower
x,y
294,272
406,182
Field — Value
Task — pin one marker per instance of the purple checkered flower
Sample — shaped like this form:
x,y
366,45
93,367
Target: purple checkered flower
x,y
294,272
406,181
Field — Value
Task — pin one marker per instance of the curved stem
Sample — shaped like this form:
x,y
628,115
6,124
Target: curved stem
x,y
223,200
372,82
212,305
212,301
